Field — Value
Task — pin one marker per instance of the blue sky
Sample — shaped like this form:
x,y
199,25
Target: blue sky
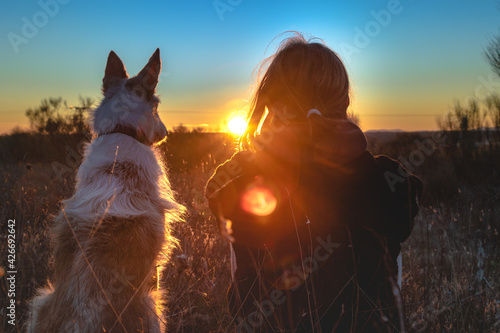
x,y
408,70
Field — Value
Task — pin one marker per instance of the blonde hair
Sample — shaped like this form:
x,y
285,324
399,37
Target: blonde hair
x,y
301,75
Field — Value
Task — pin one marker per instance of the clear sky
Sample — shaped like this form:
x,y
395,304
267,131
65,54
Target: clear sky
x,y
406,67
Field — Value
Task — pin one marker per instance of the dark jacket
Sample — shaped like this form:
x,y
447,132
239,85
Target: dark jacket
x,y
326,255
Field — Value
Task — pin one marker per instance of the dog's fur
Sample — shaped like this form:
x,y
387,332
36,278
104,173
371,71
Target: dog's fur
x,y
111,235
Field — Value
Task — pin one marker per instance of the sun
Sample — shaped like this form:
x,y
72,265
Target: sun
x,y
237,123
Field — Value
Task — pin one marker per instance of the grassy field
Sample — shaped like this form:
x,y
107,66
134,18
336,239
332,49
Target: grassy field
x,y
451,262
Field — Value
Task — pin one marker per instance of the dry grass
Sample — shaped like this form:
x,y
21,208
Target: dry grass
x,y
451,269
451,263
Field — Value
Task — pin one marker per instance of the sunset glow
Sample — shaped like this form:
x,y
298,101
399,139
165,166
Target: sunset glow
x,y
405,68
237,124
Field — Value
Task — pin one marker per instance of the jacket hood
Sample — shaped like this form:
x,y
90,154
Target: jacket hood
x,y
335,141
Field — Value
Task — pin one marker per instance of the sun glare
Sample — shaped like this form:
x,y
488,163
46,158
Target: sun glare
x,y
237,123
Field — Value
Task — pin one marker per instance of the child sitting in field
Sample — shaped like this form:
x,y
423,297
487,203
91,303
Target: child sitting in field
x,y
315,221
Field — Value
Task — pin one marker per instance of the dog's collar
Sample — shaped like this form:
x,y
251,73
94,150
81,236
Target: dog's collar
x,y
132,132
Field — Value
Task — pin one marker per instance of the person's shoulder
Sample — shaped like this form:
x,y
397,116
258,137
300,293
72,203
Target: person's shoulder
x,y
382,169
381,162
365,163
396,173
386,161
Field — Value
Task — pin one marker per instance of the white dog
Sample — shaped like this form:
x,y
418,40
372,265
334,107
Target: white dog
x,y
115,230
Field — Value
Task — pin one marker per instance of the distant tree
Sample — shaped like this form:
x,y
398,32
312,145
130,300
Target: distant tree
x,y
462,118
493,111
465,122
199,129
77,121
47,119
180,129
492,53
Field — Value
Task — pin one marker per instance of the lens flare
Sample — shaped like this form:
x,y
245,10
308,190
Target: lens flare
x,y
259,201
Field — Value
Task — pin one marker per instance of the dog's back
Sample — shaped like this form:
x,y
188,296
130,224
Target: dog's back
x,y
110,235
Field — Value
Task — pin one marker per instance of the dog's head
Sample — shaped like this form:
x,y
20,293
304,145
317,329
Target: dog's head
x,y
130,105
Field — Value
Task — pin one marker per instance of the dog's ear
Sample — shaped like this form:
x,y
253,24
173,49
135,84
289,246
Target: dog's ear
x,y
147,79
114,73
